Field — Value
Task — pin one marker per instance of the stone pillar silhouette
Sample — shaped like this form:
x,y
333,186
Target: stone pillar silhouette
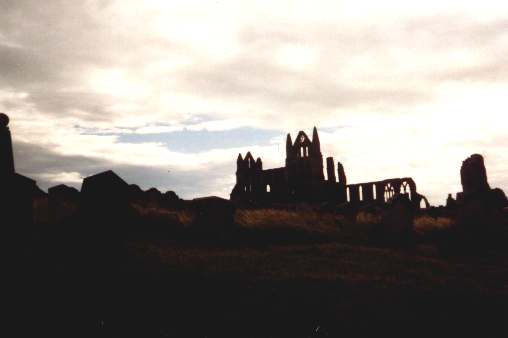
x,y
316,144
289,148
341,173
16,198
330,170
6,154
480,220
473,175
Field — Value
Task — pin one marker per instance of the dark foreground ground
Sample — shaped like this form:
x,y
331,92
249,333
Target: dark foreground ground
x,y
166,288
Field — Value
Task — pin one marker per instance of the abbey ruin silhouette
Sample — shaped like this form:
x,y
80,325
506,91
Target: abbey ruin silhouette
x,y
302,179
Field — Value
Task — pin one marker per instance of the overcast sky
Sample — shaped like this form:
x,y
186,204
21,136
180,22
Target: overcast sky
x,y
167,93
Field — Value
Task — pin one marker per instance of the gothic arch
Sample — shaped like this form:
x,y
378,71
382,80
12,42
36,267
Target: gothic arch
x,y
389,192
405,188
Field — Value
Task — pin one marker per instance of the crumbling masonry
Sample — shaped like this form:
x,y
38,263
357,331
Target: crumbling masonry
x,y
302,179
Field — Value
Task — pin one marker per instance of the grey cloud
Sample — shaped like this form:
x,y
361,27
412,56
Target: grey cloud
x,y
254,80
37,162
96,107
452,31
61,39
493,70
60,42
253,76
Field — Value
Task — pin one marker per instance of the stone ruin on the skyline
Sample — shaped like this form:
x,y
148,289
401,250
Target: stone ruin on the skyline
x,y
475,187
302,180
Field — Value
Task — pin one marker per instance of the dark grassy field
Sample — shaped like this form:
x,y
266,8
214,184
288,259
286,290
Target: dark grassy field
x,y
279,274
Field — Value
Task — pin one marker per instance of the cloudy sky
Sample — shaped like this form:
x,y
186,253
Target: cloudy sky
x,y
167,93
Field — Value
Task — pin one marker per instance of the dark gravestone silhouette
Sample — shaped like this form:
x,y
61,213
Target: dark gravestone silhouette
x,y
397,221
106,217
212,214
105,201
136,194
63,202
103,187
451,202
153,198
171,200
63,192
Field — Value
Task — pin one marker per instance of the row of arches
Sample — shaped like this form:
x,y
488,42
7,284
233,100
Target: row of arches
x,y
248,188
389,191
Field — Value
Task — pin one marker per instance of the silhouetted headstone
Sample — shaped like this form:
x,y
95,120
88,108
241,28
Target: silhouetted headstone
x,y
153,197
105,190
106,217
63,202
450,201
212,213
171,199
63,192
135,193
397,221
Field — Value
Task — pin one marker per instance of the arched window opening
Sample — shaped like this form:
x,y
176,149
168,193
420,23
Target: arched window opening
x,y
374,192
348,196
423,205
302,152
405,189
360,192
306,151
389,192
248,162
268,188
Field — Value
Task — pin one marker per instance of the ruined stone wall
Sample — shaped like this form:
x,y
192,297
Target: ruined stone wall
x,y
304,161
381,192
302,179
248,178
473,175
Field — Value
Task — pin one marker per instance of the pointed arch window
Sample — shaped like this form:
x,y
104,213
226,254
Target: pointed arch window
x,y
405,189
